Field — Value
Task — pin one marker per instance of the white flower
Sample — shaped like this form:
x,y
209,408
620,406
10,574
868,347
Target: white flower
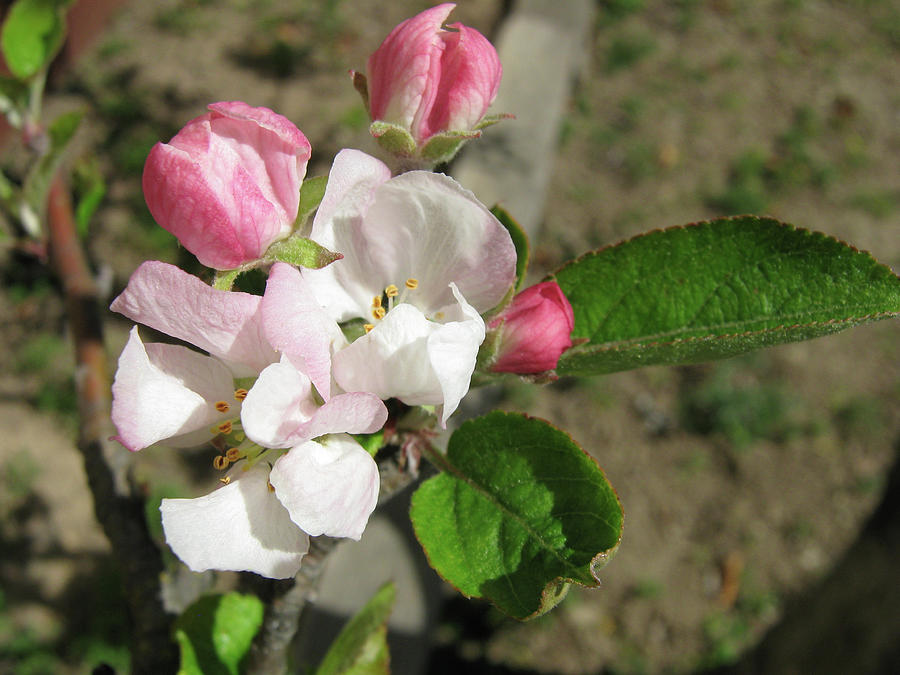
x,y
423,258
257,521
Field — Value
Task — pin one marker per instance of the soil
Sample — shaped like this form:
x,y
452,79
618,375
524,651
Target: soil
x,y
742,481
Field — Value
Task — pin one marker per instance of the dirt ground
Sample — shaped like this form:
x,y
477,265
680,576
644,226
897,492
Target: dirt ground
x,y
742,481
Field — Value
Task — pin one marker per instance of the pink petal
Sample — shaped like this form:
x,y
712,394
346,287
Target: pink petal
x,y
240,526
297,326
329,488
164,391
404,72
226,324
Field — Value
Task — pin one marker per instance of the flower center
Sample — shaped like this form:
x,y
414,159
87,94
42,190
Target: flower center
x,y
390,296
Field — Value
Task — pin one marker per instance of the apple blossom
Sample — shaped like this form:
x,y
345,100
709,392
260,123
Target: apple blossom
x,y
423,258
174,394
426,82
228,184
534,330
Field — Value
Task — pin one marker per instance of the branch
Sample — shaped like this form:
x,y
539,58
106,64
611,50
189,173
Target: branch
x,y
117,504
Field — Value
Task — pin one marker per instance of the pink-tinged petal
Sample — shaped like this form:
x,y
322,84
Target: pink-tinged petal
x,y
241,526
470,78
280,412
296,325
329,488
404,72
164,391
452,351
419,225
226,324
535,329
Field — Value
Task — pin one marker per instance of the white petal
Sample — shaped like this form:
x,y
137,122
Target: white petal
x,y
241,527
279,411
329,488
279,401
418,225
163,391
392,360
453,350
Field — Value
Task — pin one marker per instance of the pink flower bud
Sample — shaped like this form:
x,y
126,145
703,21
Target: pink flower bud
x,y
534,330
430,80
228,184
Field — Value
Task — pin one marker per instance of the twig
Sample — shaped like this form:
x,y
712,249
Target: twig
x,y
117,504
284,602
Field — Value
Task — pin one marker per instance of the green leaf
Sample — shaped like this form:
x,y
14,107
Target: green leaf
x,y
311,193
520,241
13,100
716,289
90,189
37,182
519,512
301,252
361,647
371,443
32,34
215,633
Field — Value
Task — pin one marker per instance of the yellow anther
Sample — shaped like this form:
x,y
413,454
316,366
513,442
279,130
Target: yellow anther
x,y
376,301
368,326
412,284
224,428
233,454
391,291
222,406
379,312
225,481
240,394
220,462
439,315
270,486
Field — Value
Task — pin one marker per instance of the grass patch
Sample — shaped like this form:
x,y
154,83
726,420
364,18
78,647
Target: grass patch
x,y
628,49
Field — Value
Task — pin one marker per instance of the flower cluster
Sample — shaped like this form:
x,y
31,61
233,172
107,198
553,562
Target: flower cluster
x,y
280,382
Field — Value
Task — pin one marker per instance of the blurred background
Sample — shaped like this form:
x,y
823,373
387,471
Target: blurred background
x,y
744,482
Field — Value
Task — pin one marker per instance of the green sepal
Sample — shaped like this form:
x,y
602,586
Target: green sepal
x,y
361,647
518,512
519,239
311,193
32,33
716,289
394,139
443,147
301,252
491,120
215,633
361,84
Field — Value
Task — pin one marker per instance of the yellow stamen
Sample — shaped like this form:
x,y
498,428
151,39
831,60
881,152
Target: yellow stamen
x,y
233,454
379,312
222,406
225,481
270,486
368,326
376,301
225,428
412,284
391,291
240,394
220,462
